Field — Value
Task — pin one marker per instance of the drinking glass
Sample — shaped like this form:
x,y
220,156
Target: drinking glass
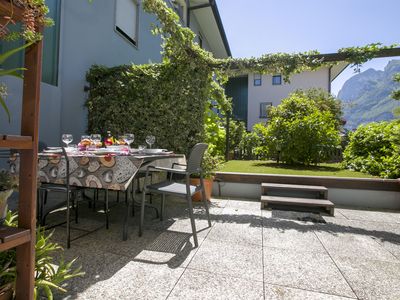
x,y
96,138
150,139
67,138
129,138
141,148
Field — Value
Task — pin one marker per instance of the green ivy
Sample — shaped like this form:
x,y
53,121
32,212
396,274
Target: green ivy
x,y
172,99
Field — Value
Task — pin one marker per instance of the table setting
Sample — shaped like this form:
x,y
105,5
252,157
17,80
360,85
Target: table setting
x,y
95,163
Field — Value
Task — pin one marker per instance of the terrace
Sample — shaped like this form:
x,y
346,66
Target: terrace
x,y
248,253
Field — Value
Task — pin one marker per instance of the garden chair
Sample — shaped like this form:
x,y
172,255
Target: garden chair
x,y
172,187
71,194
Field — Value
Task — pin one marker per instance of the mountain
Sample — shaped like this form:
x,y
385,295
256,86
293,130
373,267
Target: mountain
x,y
366,96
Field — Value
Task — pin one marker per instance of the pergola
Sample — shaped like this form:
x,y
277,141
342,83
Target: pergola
x,y
23,237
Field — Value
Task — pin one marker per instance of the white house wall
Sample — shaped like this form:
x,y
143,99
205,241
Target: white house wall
x,y
87,38
275,93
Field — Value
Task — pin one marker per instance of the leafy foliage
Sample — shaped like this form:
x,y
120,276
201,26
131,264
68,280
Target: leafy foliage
x,y
302,129
375,149
396,93
210,164
49,275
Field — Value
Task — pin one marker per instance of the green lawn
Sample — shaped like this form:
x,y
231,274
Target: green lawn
x,y
270,167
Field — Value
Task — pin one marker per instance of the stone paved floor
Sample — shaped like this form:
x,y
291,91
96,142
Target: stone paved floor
x,y
246,254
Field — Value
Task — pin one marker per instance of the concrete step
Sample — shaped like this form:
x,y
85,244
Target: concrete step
x,y
321,191
303,202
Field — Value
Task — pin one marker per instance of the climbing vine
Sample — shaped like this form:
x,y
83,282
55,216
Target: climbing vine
x,y
176,96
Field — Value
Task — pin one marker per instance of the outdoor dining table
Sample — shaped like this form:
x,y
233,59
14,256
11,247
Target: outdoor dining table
x,y
108,171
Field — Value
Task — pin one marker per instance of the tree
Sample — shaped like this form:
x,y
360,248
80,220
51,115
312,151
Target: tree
x,y
304,128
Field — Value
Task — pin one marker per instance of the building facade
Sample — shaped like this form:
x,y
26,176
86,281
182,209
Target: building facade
x,y
254,93
102,32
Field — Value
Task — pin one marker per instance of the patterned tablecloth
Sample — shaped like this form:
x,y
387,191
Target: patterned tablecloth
x,y
113,172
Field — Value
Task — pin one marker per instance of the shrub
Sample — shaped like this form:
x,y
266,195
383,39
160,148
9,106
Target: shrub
x,y
374,148
303,129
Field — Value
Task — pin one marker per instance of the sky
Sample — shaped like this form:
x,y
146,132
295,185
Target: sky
x,y
256,27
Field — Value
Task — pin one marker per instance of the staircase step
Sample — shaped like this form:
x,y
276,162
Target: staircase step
x,y
265,187
328,205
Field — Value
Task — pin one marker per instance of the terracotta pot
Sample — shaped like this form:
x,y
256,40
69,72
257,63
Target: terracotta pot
x,y
208,184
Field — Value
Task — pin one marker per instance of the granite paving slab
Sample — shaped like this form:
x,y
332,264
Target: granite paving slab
x,y
227,258
135,281
276,292
97,265
372,279
353,245
245,234
240,216
312,271
196,284
244,204
292,239
388,216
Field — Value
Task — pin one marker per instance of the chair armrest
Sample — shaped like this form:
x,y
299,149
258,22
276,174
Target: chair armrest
x,y
171,170
178,164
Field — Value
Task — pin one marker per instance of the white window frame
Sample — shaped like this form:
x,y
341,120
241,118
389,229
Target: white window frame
x,y
277,76
263,113
257,79
133,36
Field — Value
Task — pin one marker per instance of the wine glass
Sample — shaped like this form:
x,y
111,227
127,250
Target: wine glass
x,y
129,138
150,139
96,138
67,138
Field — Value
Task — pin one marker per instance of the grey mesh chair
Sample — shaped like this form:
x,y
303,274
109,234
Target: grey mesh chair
x,y
179,189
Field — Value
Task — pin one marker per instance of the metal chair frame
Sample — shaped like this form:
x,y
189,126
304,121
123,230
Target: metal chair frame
x,y
193,167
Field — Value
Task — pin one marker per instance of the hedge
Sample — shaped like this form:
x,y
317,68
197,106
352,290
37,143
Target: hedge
x,y
159,99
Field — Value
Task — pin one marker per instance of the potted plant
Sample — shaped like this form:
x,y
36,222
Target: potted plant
x,y
50,275
210,165
7,184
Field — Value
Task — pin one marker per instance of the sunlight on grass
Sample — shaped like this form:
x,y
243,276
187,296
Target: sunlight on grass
x,y
271,167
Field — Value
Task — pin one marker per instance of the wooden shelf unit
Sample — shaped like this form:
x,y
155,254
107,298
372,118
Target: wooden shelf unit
x,y
11,237
16,142
23,237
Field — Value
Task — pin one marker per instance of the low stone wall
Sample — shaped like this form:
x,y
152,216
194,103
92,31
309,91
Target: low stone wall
x,y
352,192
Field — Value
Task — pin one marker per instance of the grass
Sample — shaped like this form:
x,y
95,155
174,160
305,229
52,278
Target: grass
x,y
271,167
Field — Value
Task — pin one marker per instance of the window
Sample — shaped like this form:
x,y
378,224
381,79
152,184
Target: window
x,y
276,80
264,109
127,19
257,79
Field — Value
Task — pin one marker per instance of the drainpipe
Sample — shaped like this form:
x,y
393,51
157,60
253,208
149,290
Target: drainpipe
x,y
329,79
188,8
227,133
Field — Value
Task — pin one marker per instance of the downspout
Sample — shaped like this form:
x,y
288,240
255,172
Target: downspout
x,y
329,79
188,8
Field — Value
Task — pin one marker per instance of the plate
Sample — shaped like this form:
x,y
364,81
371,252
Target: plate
x,y
154,151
